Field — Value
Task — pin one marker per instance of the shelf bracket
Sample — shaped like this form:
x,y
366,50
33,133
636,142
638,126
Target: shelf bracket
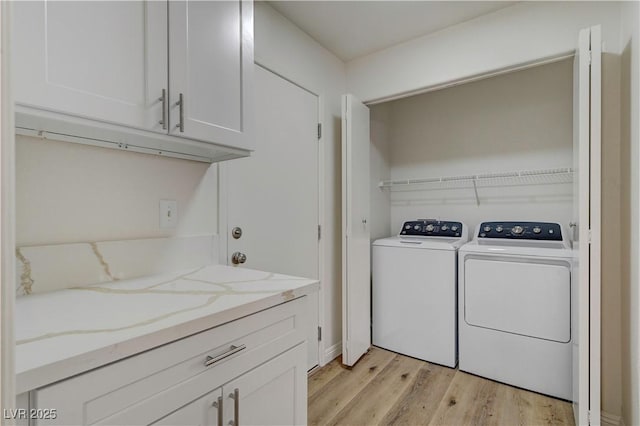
x,y
475,190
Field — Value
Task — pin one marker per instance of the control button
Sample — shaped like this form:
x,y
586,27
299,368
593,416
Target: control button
x,y
537,230
483,235
487,228
429,227
417,227
454,228
517,230
407,227
499,228
551,231
444,227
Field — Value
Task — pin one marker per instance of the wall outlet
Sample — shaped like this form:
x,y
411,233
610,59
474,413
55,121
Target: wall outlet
x,y
168,213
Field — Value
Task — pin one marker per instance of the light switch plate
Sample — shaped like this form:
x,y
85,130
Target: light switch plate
x,y
168,213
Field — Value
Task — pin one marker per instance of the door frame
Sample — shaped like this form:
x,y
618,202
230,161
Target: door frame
x,y
594,322
7,216
223,204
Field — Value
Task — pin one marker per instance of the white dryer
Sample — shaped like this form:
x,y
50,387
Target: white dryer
x,y
515,306
414,290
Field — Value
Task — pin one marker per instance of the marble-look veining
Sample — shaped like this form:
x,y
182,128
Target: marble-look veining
x,y
69,331
105,265
26,282
59,266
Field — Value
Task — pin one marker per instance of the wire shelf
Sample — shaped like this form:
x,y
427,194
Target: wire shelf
x,y
522,177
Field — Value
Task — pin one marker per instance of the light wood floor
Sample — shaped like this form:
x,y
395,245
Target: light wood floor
x,y
386,388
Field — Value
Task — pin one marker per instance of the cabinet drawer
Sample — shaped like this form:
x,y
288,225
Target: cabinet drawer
x,y
176,373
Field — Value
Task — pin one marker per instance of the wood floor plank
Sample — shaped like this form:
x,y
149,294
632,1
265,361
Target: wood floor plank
x,y
535,409
417,405
324,375
468,401
371,405
385,388
339,391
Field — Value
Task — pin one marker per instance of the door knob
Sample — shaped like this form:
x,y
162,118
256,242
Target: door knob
x,y
237,258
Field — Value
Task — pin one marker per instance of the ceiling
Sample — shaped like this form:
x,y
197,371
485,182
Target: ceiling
x,y
351,29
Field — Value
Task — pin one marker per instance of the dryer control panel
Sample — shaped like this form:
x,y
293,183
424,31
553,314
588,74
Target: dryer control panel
x,y
541,231
431,228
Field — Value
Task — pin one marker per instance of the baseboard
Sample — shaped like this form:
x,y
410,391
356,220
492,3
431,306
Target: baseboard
x,y
332,352
608,419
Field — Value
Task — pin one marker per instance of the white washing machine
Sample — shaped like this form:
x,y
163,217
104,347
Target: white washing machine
x,y
414,290
515,306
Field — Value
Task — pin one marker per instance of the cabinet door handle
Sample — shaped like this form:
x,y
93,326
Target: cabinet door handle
x,y
236,407
218,405
163,99
180,103
232,350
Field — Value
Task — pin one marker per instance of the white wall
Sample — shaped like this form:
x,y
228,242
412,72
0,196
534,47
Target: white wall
x,y
630,215
508,37
69,193
283,48
516,121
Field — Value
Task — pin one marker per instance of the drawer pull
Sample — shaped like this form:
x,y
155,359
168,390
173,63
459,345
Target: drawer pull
x,y
218,405
232,350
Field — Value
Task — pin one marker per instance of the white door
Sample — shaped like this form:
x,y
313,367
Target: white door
x,y
210,67
356,282
92,59
273,194
586,279
271,394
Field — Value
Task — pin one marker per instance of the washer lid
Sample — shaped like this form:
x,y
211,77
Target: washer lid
x,y
438,243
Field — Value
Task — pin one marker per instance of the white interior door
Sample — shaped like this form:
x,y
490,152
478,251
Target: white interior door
x,y
356,283
273,195
587,205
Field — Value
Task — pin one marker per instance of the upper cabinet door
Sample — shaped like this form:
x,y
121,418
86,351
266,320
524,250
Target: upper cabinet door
x,y
100,60
210,69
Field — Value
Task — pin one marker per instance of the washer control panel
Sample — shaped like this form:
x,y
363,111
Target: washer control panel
x,y
431,228
542,231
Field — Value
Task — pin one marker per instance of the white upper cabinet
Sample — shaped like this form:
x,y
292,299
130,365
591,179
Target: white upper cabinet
x,y
100,60
211,67
180,69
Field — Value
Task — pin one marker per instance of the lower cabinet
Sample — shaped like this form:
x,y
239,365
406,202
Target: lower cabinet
x,y
206,410
272,394
251,371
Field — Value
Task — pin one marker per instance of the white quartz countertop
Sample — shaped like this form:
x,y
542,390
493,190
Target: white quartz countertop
x,y
64,333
